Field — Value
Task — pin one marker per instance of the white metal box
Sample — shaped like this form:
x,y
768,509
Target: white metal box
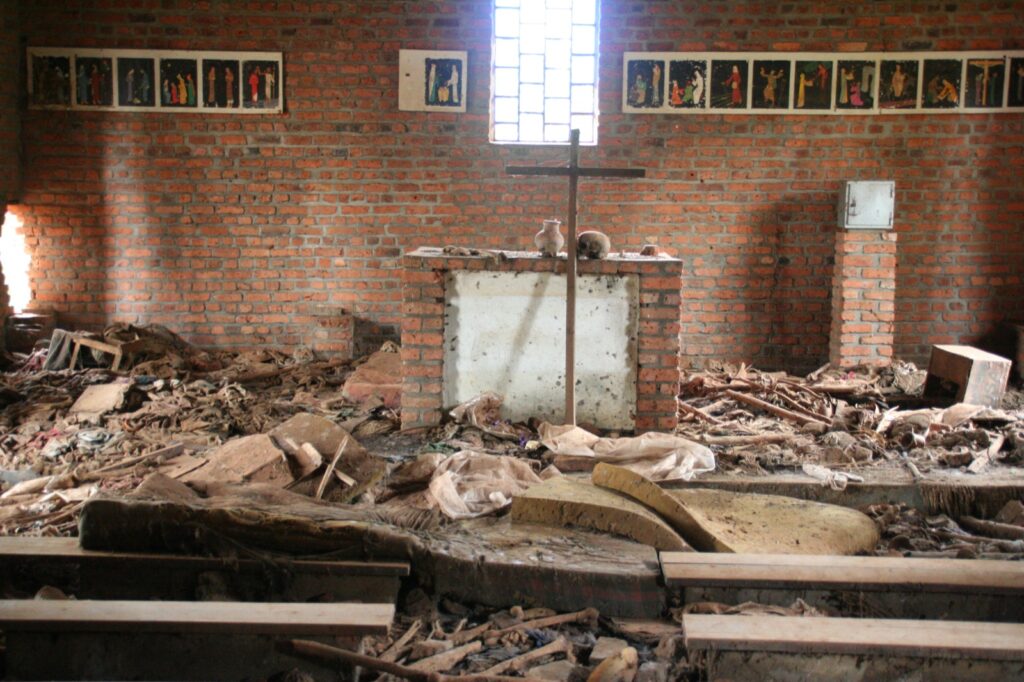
x,y
867,205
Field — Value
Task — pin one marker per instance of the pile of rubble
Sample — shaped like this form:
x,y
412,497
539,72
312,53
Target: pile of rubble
x,y
770,421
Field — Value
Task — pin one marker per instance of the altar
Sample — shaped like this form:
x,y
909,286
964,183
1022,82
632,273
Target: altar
x,y
496,322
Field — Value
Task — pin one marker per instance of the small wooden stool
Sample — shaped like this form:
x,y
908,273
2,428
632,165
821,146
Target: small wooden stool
x,y
117,348
980,376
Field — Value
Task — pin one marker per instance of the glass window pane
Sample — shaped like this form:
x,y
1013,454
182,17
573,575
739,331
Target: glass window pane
x,y
531,98
556,133
583,69
532,41
556,110
531,128
558,23
509,132
506,3
585,124
583,99
506,52
557,54
531,68
584,11
532,12
506,82
506,109
583,39
506,23
556,84
560,3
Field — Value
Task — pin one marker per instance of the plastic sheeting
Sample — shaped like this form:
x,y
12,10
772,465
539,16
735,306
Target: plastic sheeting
x,y
658,456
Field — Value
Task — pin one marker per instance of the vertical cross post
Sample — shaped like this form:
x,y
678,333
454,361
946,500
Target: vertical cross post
x,y
570,282
574,172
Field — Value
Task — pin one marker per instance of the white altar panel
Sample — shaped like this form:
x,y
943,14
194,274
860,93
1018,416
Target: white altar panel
x,y
505,332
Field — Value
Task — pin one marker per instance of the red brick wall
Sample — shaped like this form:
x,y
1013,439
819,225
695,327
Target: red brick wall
x,y
11,81
235,230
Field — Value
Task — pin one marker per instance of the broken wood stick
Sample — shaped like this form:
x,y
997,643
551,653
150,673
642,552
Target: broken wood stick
x,y
446,659
330,468
395,650
464,636
332,656
559,646
992,529
169,452
589,615
758,439
775,409
697,412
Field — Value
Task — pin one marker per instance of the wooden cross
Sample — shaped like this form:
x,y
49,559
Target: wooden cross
x,y
574,172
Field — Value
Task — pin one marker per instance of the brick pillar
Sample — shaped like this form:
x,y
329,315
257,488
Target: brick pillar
x,y
863,298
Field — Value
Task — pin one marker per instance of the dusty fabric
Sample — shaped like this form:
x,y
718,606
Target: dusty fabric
x,y
469,484
484,412
657,456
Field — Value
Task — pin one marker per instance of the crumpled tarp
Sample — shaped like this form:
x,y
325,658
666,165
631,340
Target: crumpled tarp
x,y
466,484
484,412
658,456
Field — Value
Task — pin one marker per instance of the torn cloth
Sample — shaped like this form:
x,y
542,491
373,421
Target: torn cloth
x,y
470,484
658,456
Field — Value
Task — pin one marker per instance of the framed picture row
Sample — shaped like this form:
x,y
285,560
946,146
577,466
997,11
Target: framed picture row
x,y
155,80
822,83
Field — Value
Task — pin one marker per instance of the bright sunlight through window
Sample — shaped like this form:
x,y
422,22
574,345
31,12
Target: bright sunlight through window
x,y
15,261
544,71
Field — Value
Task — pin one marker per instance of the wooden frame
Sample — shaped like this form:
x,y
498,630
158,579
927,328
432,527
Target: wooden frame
x,y
82,79
853,83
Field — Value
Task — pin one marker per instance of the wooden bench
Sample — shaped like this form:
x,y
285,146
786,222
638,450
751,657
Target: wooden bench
x,y
30,562
168,639
901,587
772,647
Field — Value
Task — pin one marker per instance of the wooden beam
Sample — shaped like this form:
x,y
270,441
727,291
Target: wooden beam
x,y
206,617
857,636
862,573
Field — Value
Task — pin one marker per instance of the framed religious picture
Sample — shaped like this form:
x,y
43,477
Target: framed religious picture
x,y
729,83
687,83
897,83
221,83
261,87
645,83
812,85
430,80
179,83
49,78
136,79
855,84
984,82
94,81
941,83
771,84
1015,91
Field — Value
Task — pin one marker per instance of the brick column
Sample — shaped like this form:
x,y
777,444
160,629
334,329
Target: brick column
x,y
863,298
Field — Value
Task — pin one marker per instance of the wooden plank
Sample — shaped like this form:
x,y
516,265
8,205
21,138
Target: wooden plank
x,y
31,615
842,573
68,549
858,636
